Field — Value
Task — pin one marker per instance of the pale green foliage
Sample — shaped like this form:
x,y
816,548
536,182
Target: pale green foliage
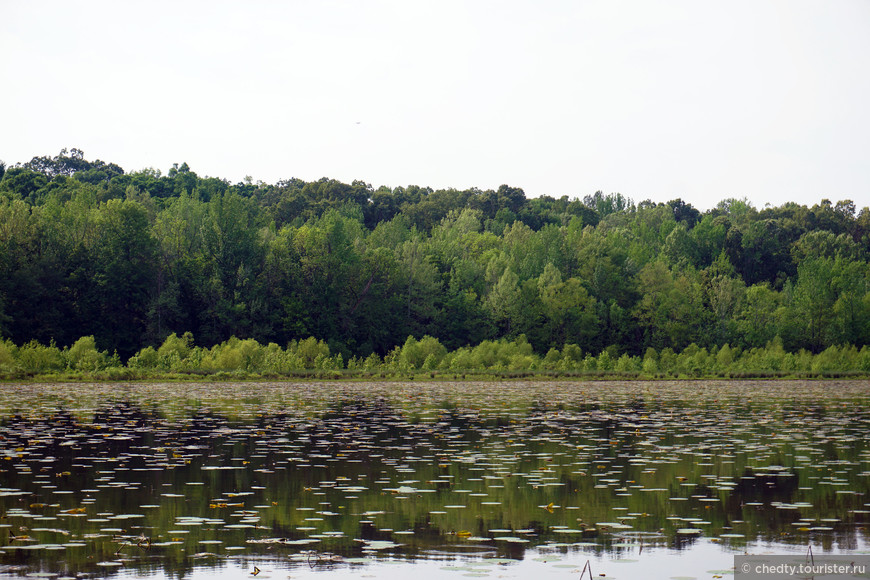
x,y
522,362
605,361
671,305
552,357
308,351
145,359
589,363
626,363
459,360
235,355
694,360
84,356
35,357
7,356
504,298
277,360
372,362
431,363
427,353
836,358
824,244
667,360
500,353
756,321
573,353
725,356
174,350
679,249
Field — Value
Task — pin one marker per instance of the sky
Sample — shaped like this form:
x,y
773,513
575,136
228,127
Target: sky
x,y
761,99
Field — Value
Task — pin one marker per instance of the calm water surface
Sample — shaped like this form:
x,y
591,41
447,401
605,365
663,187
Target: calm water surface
x,y
439,480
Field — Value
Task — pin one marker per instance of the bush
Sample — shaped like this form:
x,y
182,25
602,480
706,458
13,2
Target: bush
x,y
431,363
724,358
144,359
34,357
605,361
590,364
573,353
828,360
513,358
667,360
410,356
84,356
7,357
552,358
627,363
522,362
174,350
277,360
308,350
252,354
372,362
113,373
459,360
650,366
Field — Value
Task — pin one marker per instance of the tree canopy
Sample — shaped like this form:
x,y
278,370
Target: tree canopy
x,y
129,258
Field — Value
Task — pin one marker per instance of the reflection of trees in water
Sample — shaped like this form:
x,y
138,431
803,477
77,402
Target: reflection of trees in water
x,y
291,459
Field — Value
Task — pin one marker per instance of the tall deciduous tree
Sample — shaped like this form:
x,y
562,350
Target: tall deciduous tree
x,y
123,273
813,302
670,310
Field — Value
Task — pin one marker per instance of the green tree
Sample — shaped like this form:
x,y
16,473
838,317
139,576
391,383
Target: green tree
x,y
851,324
680,249
825,244
124,266
757,322
180,275
569,312
812,306
724,297
670,310
233,257
504,302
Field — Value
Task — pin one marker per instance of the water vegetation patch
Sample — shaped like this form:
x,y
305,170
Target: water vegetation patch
x,y
102,476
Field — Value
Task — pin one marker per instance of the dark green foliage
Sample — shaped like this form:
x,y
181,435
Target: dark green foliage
x,y
127,259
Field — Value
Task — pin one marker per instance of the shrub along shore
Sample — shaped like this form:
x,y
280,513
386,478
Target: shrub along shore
x,y
246,359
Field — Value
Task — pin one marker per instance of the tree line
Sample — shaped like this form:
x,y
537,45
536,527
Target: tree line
x,y
129,258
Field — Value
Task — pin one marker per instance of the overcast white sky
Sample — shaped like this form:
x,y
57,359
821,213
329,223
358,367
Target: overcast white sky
x,y
654,99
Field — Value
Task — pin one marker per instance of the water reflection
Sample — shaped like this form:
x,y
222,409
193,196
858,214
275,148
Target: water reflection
x,y
175,478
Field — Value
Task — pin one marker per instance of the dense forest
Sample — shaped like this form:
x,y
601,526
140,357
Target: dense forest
x,y
130,258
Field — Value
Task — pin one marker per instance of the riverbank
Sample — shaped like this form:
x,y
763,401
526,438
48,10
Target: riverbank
x,y
124,374
178,358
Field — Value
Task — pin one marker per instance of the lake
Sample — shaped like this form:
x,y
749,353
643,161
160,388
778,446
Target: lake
x,y
434,479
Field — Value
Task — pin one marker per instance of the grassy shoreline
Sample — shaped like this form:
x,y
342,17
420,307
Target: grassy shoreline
x,y
111,375
179,359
